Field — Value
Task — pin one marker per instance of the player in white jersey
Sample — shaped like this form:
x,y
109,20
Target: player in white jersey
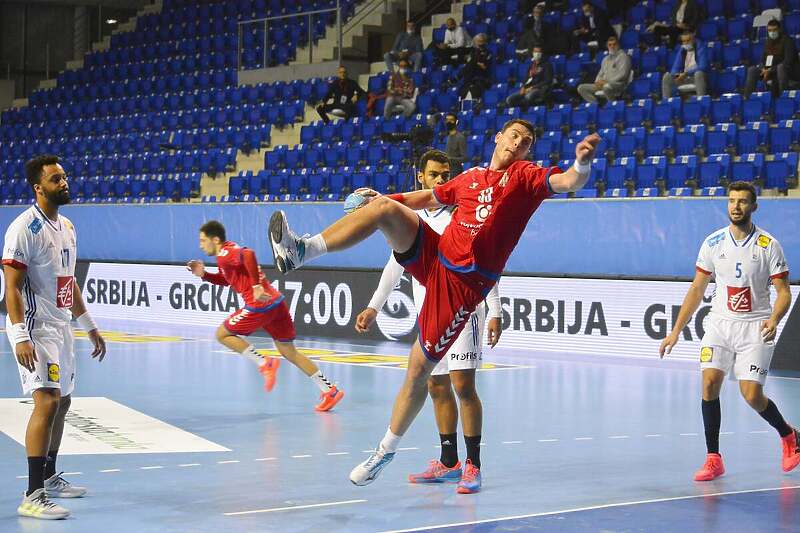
x,y
740,331
39,256
457,369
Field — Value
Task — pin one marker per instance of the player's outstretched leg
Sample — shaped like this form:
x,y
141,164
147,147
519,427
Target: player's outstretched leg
x,y
330,394
753,393
712,415
267,366
290,251
407,405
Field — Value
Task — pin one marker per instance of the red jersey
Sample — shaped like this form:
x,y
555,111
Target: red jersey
x,y
494,207
239,268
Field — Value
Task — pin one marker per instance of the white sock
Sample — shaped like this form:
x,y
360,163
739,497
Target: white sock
x,y
390,441
321,381
315,247
253,355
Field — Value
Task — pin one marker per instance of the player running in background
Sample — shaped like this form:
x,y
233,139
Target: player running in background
x,y
39,256
264,309
740,330
458,368
457,268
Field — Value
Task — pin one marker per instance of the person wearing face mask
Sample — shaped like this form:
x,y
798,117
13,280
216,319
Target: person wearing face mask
x,y
686,15
400,92
456,146
475,75
455,45
690,67
779,63
615,71
594,26
408,45
536,88
537,33
342,96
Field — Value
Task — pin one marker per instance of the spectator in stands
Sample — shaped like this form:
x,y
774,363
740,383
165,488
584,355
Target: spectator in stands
x,y
594,26
537,33
456,147
779,63
475,74
690,67
614,75
400,92
536,88
685,16
455,46
407,45
342,96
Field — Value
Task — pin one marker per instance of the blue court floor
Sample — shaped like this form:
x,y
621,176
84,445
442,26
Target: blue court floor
x,y
571,443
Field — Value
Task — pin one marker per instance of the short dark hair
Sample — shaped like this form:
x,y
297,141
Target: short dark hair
x,y
744,186
35,167
522,122
688,31
612,38
774,22
212,229
432,155
451,114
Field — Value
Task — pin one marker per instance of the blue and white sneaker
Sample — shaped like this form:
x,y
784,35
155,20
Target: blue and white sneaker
x,y
287,248
366,472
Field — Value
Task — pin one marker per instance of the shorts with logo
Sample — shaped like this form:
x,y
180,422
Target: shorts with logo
x,y
450,297
273,318
466,353
736,345
53,344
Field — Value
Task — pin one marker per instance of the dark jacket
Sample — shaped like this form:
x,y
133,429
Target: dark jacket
x,y
406,41
539,76
601,24
783,51
346,88
692,14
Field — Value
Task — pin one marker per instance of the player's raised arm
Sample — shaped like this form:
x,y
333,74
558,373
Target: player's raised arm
x,y
690,304
575,178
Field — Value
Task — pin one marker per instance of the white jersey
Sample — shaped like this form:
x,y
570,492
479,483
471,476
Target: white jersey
x,y
438,220
742,272
47,251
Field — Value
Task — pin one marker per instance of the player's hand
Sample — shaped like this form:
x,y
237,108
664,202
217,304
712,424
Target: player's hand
x,y
667,345
259,293
768,330
26,355
198,268
584,150
368,194
365,319
99,344
495,328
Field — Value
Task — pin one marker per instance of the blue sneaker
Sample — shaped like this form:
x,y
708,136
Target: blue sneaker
x,y
437,473
471,480
287,248
366,472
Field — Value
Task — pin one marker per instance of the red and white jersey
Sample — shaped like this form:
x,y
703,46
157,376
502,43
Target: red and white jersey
x,y
47,251
233,271
494,207
743,272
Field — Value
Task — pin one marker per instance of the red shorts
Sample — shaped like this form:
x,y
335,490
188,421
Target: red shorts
x,y
274,319
450,296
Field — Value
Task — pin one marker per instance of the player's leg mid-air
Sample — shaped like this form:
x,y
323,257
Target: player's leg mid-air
x,y
740,329
264,309
457,268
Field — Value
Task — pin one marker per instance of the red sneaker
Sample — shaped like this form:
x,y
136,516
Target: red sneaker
x,y
329,399
269,369
712,469
791,451
470,480
438,473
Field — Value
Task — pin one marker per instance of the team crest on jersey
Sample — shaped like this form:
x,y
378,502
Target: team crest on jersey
x,y
64,291
706,354
740,299
716,239
763,241
53,373
35,226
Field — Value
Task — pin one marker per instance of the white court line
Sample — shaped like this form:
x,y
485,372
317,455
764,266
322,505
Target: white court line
x,y
762,431
584,438
619,437
150,467
726,432
367,451
407,449
22,477
653,435
512,442
688,434
594,507
294,507
266,459
338,453
185,465
72,474
110,470
548,440
228,462
300,456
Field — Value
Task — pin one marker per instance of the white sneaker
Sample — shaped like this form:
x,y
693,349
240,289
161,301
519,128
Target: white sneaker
x,y
287,248
368,471
37,505
58,487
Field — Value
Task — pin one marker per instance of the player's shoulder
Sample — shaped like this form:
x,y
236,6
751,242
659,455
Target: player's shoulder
x,y
67,223
717,237
765,239
26,222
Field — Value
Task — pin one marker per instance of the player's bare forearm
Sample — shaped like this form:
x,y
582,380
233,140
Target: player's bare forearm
x,y
14,306
417,199
783,300
569,181
78,306
690,304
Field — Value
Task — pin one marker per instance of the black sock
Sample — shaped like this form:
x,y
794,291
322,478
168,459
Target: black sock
x,y
773,416
712,415
449,456
474,450
35,473
50,465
